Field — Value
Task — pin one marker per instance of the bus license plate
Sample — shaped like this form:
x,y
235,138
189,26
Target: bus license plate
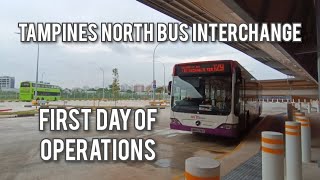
x,y
196,130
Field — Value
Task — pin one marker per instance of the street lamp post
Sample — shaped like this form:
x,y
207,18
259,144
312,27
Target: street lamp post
x,y
36,85
164,78
153,74
164,81
102,83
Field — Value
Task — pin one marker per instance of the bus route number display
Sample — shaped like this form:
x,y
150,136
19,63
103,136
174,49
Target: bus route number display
x,y
202,68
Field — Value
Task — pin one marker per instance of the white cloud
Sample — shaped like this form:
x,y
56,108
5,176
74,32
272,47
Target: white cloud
x,y
74,65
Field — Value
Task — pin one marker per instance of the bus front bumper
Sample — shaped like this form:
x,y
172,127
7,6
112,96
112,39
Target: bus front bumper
x,y
232,132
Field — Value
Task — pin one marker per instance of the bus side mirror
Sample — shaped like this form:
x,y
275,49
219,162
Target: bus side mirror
x,y
169,87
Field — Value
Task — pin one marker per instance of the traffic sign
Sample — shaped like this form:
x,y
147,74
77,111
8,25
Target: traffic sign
x,y
154,84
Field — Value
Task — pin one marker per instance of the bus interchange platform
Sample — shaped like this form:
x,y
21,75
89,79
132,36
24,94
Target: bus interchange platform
x,y
251,168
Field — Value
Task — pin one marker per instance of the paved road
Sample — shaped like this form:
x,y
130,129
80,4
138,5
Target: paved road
x,y
20,152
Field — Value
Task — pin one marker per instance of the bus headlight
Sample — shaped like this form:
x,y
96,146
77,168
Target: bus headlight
x,y
228,126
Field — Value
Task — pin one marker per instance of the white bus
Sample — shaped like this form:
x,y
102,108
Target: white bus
x,y
213,97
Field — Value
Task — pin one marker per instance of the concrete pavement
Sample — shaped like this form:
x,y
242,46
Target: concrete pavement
x,y
20,152
246,155
20,144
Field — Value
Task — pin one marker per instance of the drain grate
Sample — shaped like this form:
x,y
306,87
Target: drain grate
x,y
251,169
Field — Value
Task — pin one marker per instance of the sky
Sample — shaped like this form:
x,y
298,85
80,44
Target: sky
x,y
78,65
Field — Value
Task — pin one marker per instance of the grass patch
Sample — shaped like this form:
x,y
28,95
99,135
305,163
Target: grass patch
x,y
20,113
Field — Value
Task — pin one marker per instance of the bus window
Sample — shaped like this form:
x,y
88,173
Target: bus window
x,y
220,94
25,84
237,96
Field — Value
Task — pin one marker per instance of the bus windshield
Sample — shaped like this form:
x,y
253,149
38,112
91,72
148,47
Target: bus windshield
x,y
202,94
25,84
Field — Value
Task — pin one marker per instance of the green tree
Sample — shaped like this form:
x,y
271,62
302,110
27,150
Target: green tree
x,y
159,89
115,84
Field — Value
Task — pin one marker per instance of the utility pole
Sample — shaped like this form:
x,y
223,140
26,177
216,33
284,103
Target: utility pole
x,y
36,85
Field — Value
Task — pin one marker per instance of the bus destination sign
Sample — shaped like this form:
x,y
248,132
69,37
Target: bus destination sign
x,y
202,68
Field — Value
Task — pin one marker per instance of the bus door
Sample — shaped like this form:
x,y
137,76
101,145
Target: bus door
x,y
240,100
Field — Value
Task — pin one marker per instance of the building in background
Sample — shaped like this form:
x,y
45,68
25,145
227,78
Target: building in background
x,y
125,87
138,88
7,82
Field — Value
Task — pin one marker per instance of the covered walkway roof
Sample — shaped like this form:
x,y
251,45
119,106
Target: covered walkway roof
x,y
294,59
